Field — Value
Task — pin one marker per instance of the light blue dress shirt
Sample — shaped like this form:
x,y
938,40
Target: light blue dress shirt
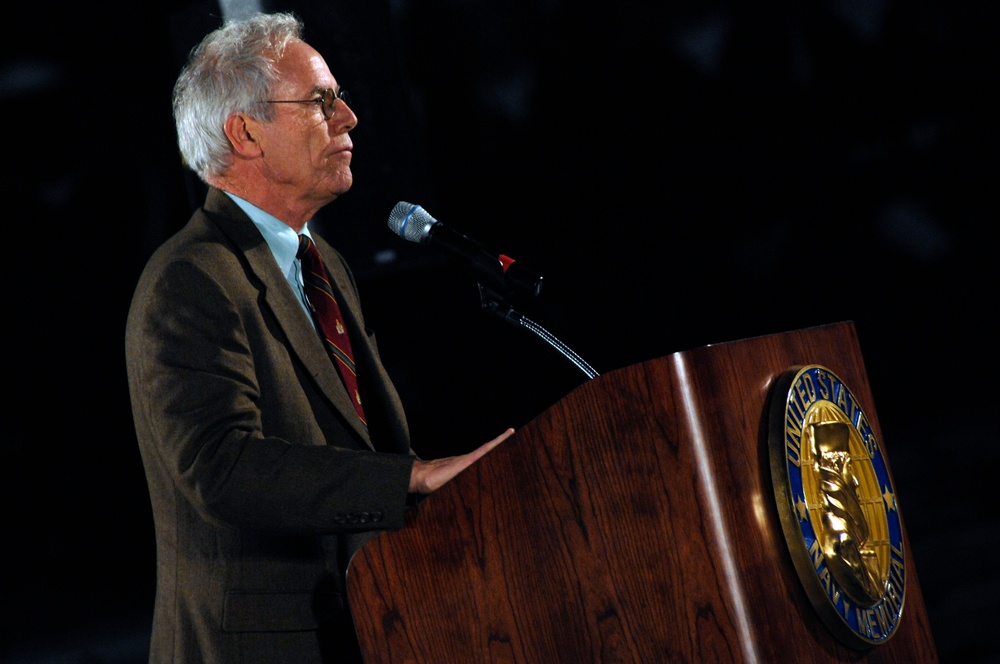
x,y
284,244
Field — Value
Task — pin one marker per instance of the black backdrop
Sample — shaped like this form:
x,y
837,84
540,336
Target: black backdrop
x,y
681,175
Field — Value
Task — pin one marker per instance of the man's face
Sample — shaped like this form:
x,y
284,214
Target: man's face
x,y
303,151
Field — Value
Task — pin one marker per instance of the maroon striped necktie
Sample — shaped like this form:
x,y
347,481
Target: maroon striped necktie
x,y
327,315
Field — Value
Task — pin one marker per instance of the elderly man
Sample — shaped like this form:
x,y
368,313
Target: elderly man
x,y
273,440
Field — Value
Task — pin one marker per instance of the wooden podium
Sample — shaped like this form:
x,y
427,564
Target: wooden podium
x,y
633,521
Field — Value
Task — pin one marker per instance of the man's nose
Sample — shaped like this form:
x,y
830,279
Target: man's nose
x,y
343,118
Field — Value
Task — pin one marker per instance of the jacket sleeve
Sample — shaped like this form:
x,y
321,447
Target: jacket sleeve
x,y
228,418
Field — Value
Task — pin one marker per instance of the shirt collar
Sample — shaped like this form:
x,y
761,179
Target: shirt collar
x,y
280,238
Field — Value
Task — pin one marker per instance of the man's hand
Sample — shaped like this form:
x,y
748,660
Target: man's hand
x,y
428,476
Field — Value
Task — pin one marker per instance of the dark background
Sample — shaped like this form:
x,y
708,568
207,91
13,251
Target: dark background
x,y
682,175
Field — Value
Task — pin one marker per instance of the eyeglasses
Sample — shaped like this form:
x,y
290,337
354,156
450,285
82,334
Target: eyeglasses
x,y
327,101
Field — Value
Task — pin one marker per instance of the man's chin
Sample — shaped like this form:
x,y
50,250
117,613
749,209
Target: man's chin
x,y
341,187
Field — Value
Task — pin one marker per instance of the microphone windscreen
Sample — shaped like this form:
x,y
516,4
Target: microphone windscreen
x,y
410,222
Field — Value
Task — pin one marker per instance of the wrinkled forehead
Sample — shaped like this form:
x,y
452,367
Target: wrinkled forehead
x,y
302,70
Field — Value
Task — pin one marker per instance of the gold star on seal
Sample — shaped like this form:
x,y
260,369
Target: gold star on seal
x,y
890,498
801,508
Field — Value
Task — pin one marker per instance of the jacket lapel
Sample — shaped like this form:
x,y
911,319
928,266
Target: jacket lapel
x,y
281,300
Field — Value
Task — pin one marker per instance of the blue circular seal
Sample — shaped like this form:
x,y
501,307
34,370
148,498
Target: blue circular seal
x,y
837,506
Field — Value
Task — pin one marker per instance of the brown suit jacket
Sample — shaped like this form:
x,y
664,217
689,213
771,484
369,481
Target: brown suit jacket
x,y
261,478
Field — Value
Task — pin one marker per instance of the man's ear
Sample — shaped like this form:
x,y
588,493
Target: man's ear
x,y
243,132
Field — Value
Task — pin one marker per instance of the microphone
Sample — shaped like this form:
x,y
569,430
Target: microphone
x,y
415,224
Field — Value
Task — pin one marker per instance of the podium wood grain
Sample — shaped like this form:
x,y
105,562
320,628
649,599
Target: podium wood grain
x,y
633,521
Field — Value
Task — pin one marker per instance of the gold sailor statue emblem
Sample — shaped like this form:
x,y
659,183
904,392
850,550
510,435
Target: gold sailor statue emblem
x,y
846,539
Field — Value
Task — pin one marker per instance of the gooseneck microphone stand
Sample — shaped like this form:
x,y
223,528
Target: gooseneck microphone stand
x,y
494,303
495,275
